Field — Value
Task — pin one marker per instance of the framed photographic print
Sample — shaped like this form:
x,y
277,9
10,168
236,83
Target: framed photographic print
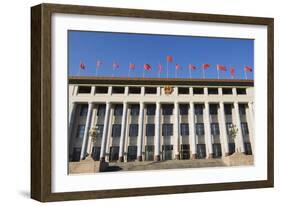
x,y
130,102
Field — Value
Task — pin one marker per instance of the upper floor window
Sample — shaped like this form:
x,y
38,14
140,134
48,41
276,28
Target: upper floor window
x,y
133,131
80,131
150,129
228,109
84,89
213,91
229,125
135,108
183,90
213,109
215,130
101,110
226,90
150,90
244,128
241,91
101,90
199,129
183,109
99,130
83,110
134,90
167,129
198,90
242,109
198,109
118,90
167,109
118,110
150,109
116,130
184,129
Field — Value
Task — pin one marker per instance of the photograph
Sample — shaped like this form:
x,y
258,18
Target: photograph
x,y
140,101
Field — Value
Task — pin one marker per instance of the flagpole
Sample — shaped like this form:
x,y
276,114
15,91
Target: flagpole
x,y
189,73
245,74
203,73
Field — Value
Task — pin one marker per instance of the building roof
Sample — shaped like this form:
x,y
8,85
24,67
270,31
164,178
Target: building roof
x,y
158,81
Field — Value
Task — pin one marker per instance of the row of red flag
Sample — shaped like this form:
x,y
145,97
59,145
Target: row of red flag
x,y
148,67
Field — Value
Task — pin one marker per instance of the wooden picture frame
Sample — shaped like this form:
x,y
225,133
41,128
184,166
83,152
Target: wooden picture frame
x,y
41,97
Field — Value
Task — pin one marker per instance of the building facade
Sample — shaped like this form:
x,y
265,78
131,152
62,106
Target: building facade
x,y
159,119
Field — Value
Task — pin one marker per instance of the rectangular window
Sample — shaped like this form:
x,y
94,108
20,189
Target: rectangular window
x,y
101,110
116,130
228,127
215,130
118,110
226,90
150,109
198,109
149,152
185,151
199,129
183,109
101,90
248,148
150,129
242,109
134,90
83,110
217,150
241,91
183,90
201,151
167,109
99,130
198,90
231,147
184,129
118,90
84,89
133,131
150,90
96,153
80,131
135,108
167,129
244,128
213,109
213,91
132,153
114,153
228,109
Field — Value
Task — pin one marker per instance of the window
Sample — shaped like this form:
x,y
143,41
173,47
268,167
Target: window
x,y
84,89
183,109
150,129
241,91
244,128
76,154
199,129
150,109
213,109
133,131
114,153
149,152
213,91
215,130
96,153
242,109
167,152
116,130
231,147
184,129
167,109
134,90
118,110
84,110
167,129
228,109
135,108
248,148
185,151
99,130
228,127
118,90
101,90
201,151
217,150
226,90
198,90
101,110
199,109
80,131
150,90
132,153
183,90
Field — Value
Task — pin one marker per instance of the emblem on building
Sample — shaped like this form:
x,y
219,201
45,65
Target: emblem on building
x,y
168,89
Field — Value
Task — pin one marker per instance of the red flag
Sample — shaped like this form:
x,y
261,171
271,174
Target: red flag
x,y
221,67
98,64
160,68
115,65
206,66
169,58
232,71
178,66
147,67
248,69
82,66
191,66
132,66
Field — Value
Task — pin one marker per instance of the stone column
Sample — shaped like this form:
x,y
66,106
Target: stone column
x,y
223,132
176,131
208,136
86,132
157,133
192,135
123,129
239,138
104,133
140,134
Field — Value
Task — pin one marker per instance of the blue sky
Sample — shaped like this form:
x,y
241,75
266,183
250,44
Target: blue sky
x,y
140,49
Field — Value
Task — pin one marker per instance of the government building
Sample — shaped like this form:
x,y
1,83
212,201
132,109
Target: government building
x,y
155,119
